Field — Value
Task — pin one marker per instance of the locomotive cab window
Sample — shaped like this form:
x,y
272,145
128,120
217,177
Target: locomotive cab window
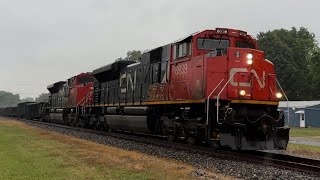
x,y
85,79
212,44
240,44
182,49
123,80
219,45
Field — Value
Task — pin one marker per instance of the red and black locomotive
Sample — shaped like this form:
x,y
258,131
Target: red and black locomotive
x,y
213,86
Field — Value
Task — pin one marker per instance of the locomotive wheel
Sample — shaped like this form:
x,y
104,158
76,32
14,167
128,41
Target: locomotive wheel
x,y
214,145
81,123
191,140
94,126
171,138
238,139
109,130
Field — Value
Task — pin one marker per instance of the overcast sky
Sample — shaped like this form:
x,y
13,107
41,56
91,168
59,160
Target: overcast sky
x,y
44,41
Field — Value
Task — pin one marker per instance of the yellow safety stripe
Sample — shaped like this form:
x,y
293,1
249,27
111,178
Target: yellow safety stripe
x,y
254,102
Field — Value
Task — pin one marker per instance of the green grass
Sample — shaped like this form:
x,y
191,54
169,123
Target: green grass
x,y
304,132
303,147
25,155
304,150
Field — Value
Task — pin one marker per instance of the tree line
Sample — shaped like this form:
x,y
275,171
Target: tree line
x,y
296,56
8,99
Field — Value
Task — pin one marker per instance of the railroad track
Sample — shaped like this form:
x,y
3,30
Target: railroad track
x,y
261,157
286,161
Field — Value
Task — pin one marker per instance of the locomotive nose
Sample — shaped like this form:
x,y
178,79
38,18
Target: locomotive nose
x,y
251,73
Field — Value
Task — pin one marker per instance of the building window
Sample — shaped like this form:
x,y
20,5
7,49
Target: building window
x,y
302,117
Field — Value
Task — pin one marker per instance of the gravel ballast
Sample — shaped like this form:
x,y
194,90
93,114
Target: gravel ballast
x,y
237,169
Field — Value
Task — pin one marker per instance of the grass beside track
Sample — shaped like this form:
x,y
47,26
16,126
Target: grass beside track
x,y
304,132
307,134
31,153
304,150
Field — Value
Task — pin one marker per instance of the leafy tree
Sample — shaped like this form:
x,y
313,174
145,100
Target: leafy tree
x,y
28,99
291,52
120,59
315,74
133,55
8,99
42,97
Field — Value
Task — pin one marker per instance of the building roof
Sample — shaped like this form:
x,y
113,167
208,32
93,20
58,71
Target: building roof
x,y
298,104
300,112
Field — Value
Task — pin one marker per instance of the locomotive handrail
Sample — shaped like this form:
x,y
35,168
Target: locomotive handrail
x,y
219,96
207,121
89,93
86,101
45,103
286,100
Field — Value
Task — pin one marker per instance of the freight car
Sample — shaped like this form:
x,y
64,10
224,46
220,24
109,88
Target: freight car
x,y
9,112
22,109
34,110
213,86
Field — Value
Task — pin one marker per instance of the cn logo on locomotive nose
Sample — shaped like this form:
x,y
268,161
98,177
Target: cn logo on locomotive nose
x,y
261,82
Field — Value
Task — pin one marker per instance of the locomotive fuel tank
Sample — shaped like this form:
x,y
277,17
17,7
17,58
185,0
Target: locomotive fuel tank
x,y
56,114
136,110
134,119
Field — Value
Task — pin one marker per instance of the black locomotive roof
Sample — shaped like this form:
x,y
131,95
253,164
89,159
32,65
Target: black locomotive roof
x,y
32,103
25,103
114,66
110,71
102,69
53,88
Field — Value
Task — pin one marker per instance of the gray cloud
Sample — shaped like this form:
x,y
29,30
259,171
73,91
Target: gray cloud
x,y
44,41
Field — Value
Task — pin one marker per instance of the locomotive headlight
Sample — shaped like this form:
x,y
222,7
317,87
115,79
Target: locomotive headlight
x,y
242,92
279,95
249,59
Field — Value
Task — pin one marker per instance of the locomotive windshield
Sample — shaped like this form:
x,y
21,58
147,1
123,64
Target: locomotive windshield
x,y
240,44
85,79
212,44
